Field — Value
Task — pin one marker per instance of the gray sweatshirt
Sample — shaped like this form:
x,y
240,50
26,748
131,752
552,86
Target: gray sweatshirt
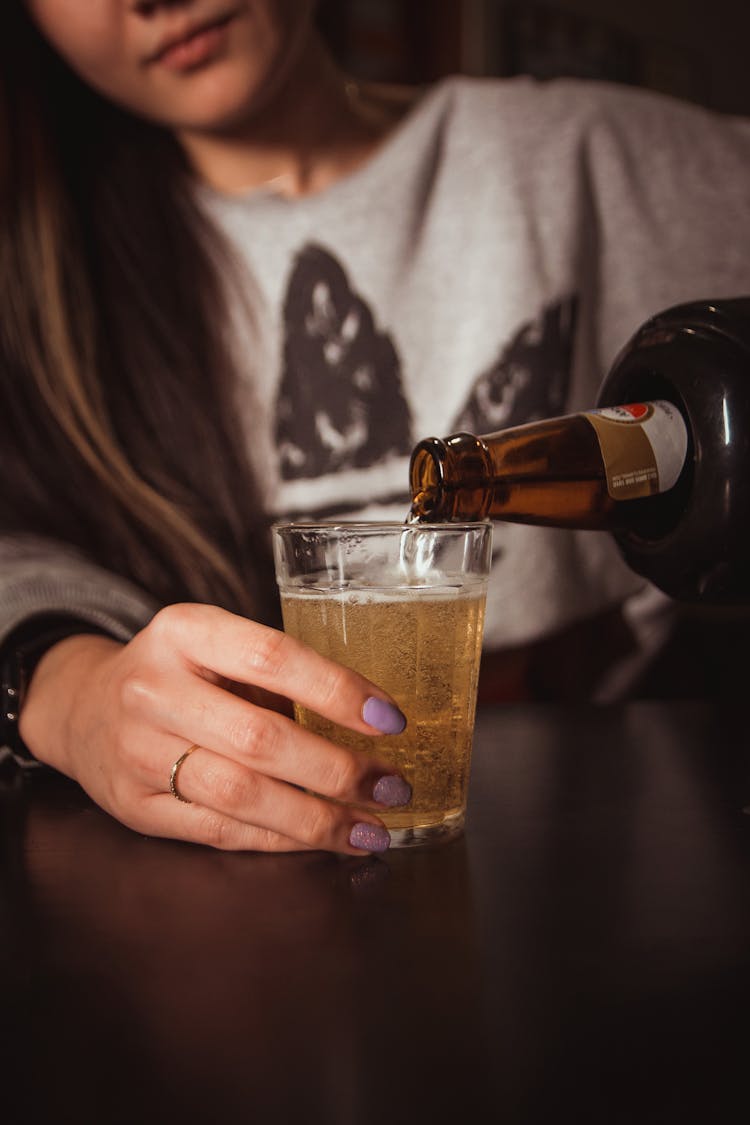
x,y
481,270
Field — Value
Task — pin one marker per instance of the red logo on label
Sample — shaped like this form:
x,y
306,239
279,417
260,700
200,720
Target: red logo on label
x,y
636,409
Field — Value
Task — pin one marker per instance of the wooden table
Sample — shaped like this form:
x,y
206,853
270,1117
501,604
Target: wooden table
x,y
582,953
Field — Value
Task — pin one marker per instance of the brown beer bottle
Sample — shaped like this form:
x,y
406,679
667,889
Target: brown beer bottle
x,y
575,471
663,462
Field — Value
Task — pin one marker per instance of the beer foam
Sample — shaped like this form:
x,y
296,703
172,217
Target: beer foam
x,y
359,592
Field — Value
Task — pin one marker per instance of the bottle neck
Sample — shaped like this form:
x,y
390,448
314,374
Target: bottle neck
x,y
449,479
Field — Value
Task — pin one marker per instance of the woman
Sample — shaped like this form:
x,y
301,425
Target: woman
x,y
237,285
120,434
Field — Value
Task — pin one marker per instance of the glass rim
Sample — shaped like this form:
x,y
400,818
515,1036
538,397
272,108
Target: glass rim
x,y
361,526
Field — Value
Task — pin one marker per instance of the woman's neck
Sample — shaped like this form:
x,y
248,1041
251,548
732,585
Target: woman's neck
x,y
319,127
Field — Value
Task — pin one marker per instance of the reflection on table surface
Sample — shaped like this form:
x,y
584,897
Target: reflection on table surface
x,y
583,950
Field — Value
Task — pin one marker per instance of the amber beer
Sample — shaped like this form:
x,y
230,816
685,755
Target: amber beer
x,y
579,471
424,650
404,607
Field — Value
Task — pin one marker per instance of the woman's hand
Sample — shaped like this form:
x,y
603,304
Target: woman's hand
x,y
117,717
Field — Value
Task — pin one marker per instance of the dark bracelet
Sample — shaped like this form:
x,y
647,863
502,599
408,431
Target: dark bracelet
x,y
20,653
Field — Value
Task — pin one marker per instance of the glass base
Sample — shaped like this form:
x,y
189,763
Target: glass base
x,y
423,835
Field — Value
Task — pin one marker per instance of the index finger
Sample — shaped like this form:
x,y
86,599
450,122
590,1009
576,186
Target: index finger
x,y
213,639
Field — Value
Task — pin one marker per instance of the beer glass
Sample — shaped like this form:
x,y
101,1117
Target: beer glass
x,y
404,606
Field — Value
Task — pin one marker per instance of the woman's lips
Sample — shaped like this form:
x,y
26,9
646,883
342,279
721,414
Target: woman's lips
x,y
196,49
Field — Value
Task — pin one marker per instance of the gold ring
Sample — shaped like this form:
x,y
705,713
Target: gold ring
x,y
175,770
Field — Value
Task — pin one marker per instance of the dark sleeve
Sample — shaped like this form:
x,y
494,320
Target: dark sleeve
x,y
20,652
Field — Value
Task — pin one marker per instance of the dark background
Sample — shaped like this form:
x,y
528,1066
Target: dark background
x,y
692,49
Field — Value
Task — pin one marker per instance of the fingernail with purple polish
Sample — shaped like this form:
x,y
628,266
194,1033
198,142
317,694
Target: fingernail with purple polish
x,y
392,790
385,717
370,837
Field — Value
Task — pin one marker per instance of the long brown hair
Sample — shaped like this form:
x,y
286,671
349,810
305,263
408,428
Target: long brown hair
x,y
117,428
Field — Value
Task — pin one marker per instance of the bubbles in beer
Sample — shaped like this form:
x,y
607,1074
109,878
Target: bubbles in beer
x,y
424,651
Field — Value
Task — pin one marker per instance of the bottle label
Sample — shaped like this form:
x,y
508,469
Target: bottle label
x,y
643,447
